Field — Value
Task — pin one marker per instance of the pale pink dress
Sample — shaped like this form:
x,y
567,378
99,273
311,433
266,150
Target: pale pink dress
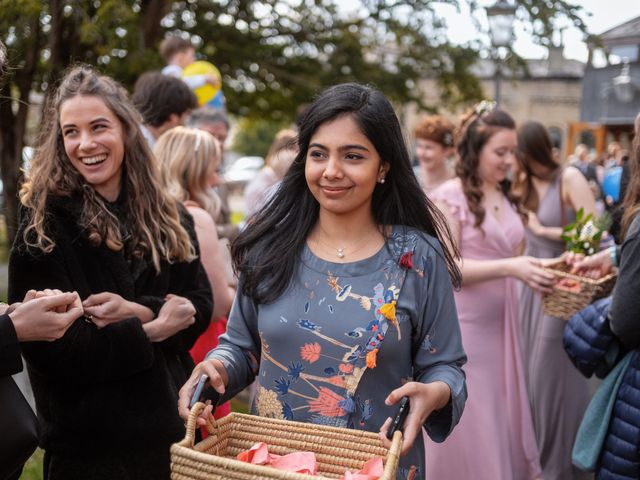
x,y
495,438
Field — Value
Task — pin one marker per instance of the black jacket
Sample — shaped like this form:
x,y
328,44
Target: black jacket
x,y
10,359
109,388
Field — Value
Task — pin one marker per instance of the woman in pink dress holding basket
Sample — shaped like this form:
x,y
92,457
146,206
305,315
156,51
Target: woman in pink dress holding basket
x,y
495,438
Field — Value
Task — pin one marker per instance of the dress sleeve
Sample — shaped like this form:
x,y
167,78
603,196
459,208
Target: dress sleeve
x,y
451,195
10,359
84,355
240,347
437,345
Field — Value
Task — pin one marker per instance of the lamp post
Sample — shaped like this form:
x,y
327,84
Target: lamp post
x,y
501,16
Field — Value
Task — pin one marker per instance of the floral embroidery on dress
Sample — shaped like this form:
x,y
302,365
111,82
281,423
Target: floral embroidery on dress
x,y
405,260
321,385
267,404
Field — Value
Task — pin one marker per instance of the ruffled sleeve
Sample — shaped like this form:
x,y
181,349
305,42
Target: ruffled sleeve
x,y
450,193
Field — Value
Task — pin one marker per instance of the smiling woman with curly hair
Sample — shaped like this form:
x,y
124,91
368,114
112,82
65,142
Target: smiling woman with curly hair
x,y
434,149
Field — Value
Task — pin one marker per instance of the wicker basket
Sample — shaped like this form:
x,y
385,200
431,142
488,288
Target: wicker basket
x,y
571,293
337,449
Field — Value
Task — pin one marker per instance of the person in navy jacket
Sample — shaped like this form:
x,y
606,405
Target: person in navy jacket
x,y
588,337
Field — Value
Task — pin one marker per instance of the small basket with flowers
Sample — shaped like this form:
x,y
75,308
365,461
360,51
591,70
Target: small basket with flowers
x,y
573,291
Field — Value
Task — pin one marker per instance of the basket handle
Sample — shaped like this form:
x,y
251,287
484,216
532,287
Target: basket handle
x,y
192,423
393,457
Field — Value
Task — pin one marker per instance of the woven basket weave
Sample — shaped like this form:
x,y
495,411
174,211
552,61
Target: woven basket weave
x,y
337,449
571,293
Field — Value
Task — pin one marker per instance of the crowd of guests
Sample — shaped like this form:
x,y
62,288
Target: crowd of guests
x,y
528,398
355,281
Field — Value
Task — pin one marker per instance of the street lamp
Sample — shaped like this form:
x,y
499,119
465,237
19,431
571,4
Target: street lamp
x,y
501,16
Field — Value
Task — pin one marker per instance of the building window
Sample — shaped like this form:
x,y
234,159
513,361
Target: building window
x,y
621,53
588,138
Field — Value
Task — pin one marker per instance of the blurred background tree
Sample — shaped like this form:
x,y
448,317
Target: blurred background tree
x,y
273,54
254,135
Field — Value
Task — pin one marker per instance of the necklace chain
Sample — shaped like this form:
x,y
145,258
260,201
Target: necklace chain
x,y
341,251
495,206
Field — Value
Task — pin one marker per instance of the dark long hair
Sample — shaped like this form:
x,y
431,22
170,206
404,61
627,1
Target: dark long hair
x,y
266,253
477,127
631,204
534,147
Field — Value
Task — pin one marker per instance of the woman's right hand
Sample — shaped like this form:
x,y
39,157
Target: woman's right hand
x,y
176,314
531,272
218,379
598,261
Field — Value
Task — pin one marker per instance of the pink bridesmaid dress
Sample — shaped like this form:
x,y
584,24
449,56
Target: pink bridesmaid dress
x,y
494,439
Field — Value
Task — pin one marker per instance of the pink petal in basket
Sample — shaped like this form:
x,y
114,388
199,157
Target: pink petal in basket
x,y
258,454
297,462
372,470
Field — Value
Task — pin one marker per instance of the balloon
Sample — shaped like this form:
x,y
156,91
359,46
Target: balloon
x,y
207,92
218,102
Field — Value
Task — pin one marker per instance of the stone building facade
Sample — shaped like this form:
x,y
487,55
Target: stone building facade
x,y
549,91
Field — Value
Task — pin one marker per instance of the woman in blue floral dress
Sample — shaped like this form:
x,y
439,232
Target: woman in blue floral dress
x,y
345,302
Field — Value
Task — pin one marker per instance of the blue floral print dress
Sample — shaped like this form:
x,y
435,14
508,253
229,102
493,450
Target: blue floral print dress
x,y
344,335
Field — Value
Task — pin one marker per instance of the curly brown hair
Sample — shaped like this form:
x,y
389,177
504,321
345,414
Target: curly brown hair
x,y
478,125
153,218
437,129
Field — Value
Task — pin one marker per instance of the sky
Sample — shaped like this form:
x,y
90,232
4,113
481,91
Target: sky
x,y
605,15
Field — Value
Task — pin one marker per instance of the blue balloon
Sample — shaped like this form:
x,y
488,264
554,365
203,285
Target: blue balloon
x,y
611,183
218,102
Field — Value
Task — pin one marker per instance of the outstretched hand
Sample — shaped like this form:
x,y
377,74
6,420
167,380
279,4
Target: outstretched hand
x,y
45,315
531,271
599,264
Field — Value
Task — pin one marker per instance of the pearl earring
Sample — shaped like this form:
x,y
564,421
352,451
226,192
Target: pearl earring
x,y
382,180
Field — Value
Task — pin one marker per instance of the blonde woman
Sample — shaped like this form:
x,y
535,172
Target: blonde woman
x,y
190,160
96,220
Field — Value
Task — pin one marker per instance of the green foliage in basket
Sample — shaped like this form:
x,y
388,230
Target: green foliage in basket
x,y
583,235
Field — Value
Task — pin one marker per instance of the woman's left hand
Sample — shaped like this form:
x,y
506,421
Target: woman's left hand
x,y
424,399
105,308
